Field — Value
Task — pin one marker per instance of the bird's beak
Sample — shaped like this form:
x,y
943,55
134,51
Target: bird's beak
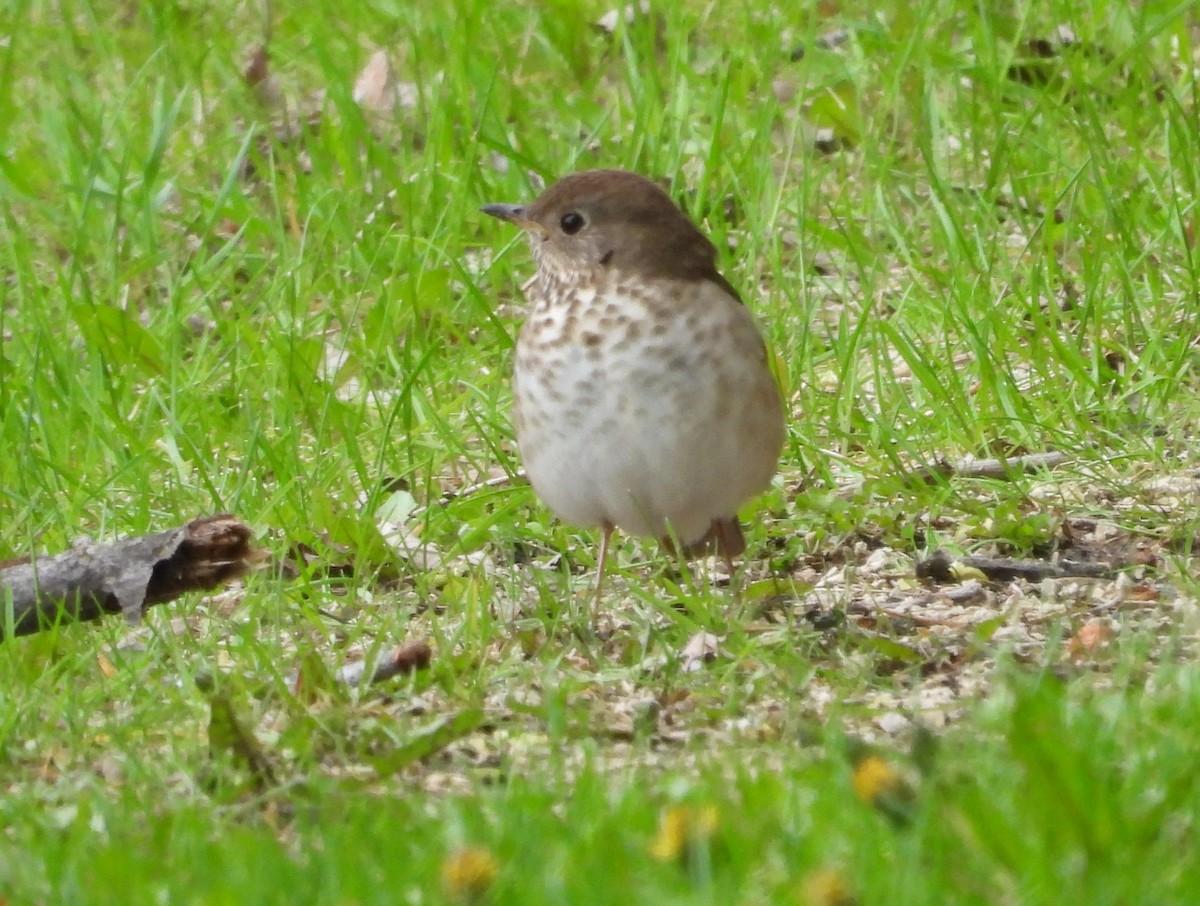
x,y
510,212
515,214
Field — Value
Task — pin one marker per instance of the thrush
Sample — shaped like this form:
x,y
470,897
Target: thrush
x,y
642,395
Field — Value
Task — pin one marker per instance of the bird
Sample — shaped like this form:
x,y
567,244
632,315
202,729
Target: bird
x,y
643,396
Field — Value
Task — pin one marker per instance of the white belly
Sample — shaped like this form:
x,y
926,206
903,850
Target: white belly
x,y
655,429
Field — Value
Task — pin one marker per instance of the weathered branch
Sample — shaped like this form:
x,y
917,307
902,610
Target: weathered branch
x,y
941,469
993,468
940,566
126,576
406,658
499,481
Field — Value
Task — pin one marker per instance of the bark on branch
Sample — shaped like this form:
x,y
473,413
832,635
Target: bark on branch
x,y
940,566
993,468
406,658
126,576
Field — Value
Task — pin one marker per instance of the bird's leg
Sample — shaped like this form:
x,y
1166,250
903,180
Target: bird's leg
x,y
607,529
730,543
724,538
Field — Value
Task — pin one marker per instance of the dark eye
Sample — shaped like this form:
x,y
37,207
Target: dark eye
x,y
572,222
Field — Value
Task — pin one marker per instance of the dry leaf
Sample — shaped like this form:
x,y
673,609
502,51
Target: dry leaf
x,y
407,94
1093,636
256,73
107,668
1143,592
404,658
407,544
784,89
892,723
608,22
256,69
373,89
699,650
833,39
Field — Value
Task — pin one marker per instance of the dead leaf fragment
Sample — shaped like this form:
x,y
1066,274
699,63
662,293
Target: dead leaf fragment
x,y
833,39
256,68
263,84
630,13
784,89
406,658
408,545
1093,636
374,89
892,723
701,648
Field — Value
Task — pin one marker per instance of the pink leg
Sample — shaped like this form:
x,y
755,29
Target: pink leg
x,y
607,529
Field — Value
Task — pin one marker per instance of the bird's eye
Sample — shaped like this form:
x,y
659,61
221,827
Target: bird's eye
x,y
572,222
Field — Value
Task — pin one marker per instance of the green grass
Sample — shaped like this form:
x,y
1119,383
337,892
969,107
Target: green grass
x,y
207,305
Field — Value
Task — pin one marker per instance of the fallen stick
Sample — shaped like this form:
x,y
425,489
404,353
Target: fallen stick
x,y
991,468
126,576
488,485
942,567
928,473
404,658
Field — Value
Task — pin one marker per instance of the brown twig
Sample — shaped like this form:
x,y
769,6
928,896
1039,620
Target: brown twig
x,y
406,658
497,482
940,566
999,469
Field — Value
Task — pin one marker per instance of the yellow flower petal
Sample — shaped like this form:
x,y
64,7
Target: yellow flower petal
x,y
826,887
681,827
469,873
874,778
